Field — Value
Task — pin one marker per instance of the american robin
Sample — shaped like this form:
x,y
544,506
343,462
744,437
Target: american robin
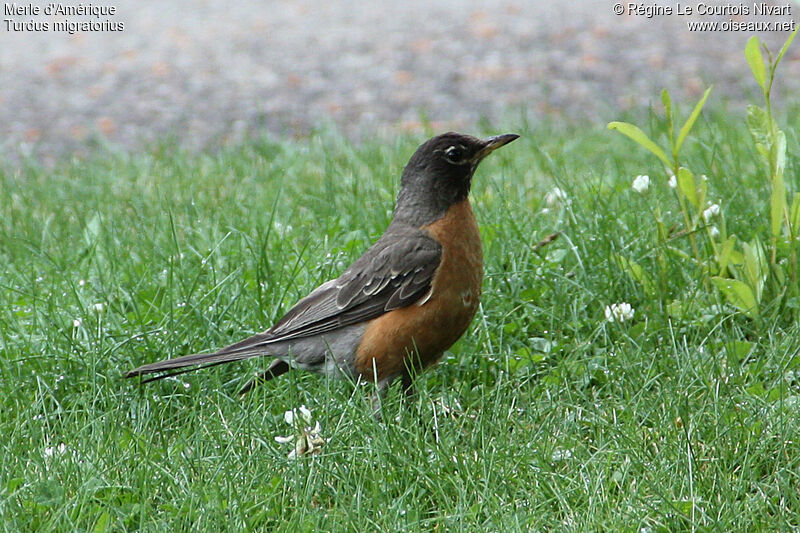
x,y
401,304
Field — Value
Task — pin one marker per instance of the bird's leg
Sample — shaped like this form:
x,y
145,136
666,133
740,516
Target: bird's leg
x,y
378,397
276,368
409,392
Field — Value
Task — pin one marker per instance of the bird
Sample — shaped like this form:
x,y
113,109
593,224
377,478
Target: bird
x,y
398,307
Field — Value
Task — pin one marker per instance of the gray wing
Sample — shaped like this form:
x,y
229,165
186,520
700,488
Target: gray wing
x,y
395,272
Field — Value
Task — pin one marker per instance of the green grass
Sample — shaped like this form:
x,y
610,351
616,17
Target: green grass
x,y
544,417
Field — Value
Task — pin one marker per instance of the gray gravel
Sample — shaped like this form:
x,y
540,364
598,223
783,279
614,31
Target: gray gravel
x,y
208,72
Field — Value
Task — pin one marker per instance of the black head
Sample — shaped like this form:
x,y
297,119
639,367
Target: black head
x,y
439,174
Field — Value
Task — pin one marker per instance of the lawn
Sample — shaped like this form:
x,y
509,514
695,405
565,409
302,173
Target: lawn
x,y
545,416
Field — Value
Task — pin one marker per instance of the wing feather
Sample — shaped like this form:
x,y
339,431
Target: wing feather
x,y
395,272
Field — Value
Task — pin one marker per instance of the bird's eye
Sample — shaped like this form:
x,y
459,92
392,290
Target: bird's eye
x,y
455,154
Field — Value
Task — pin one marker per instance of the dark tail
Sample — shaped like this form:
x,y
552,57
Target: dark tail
x,y
251,347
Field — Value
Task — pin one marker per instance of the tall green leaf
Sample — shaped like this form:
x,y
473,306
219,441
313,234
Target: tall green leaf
x,y
755,266
738,294
758,124
794,215
640,137
777,204
687,187
786,46
667,101
687,126
725,253
752,52
701,186
779,153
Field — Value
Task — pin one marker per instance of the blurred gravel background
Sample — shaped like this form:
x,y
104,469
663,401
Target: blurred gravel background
x,y
207,72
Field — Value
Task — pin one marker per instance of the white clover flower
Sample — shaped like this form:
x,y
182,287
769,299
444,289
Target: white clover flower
x,y
98,307
710,212
291,416
641,183
619,312
673,181
76,323
306,439
282,229
305,414
50,451
714,232
561,455
81,282
556,197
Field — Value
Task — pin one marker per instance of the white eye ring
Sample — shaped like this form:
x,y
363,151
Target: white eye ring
x,y
454,153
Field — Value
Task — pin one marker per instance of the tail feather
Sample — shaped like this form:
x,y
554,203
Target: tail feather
x,y
252,347
197,359
179,372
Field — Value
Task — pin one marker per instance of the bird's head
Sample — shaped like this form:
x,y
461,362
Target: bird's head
x,y
439,174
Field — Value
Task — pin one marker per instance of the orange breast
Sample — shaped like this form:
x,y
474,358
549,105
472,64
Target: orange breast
x,y
417,335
